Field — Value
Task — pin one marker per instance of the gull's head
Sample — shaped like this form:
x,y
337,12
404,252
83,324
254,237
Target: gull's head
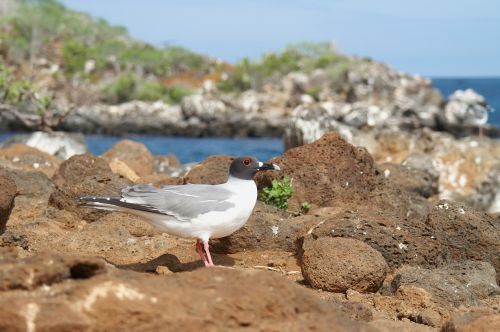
x,y
246,167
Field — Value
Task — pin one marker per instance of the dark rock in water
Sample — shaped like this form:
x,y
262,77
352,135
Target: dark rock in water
x,y
339,264
84,175
213,170
23,157
130,301
134,154
267,228
8,191
60,144
458,283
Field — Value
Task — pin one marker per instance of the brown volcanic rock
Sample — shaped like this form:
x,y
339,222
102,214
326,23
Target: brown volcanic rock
x,y
473,322
23,157
411,179
455,284
466,233
213,170
326,172
449,233
8,191
84,175
45,269
214,299
339,264
399,240
134,154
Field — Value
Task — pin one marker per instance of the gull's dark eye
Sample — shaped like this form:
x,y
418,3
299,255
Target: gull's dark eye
x,y
246,161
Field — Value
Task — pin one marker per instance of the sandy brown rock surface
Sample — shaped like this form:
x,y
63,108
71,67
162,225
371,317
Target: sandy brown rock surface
x,y
377,252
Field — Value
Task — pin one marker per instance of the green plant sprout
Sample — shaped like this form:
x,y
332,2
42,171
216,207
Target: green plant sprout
x,y
278,195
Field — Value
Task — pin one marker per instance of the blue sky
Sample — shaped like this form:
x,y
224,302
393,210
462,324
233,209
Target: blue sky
x,y
428,37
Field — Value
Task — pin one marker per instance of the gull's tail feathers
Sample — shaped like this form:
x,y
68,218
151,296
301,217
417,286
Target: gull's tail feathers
x,y
101,203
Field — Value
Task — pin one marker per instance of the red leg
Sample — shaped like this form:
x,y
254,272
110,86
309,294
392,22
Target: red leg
x,y
481,131
200,251
207,251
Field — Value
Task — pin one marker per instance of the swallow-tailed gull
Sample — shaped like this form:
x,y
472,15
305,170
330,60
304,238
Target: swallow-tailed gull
x,y
198,211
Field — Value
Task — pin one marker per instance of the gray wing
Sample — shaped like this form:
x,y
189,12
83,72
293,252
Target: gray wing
x,y
183,202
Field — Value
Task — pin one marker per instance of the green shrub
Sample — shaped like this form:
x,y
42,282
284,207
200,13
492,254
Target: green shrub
x,y
149,91
130,87
278,194
304,57
121,90
176,93
74,56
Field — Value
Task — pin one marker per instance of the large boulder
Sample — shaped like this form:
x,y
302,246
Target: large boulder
x,y
326,172
134,154
332,172
339,264
8,191
84,175
227,300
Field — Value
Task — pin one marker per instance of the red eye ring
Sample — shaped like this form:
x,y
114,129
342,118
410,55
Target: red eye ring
x,y
246,162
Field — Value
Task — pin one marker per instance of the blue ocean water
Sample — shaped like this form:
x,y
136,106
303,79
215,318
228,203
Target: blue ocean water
x,y
488,87
189,149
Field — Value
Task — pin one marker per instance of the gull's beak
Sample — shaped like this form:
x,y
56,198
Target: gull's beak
x,y
265,166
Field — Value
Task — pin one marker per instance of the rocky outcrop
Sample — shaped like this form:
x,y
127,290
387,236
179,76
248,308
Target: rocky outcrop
x,y
197,115
465,108
376,233
84,295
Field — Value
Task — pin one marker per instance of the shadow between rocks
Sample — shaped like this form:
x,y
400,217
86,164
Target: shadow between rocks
x,y
172,263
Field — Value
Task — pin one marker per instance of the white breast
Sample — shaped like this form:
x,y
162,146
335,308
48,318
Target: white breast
x,y
216,224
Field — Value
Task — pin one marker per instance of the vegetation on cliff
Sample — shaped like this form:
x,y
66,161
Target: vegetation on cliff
x,y
61,49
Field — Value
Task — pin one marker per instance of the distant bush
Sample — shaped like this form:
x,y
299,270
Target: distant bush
x,y
129,87
300,57
121,90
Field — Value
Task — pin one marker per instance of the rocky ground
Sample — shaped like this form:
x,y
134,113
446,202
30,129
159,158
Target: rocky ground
x,y
378,251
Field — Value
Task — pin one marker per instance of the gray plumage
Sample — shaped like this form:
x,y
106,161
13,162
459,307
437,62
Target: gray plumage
x,y
183,202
